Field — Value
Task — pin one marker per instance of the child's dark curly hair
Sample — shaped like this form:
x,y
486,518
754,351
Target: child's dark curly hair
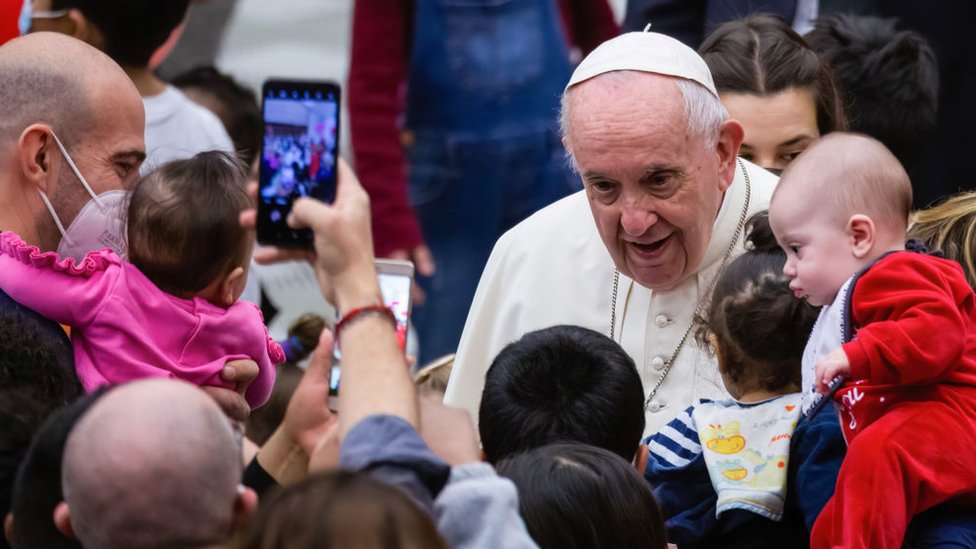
x,y
760,327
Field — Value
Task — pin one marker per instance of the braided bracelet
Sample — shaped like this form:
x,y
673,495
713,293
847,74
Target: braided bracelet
x,y
368,309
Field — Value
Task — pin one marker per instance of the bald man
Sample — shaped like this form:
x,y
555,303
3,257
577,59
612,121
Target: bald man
x,y
899,326
59,90
71,144
154,463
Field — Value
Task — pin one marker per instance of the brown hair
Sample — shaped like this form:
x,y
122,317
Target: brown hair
x,y
184,230
760,327
339,509
761,55
950,227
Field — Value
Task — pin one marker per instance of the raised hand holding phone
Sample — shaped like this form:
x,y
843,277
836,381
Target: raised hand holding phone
x,y
395,280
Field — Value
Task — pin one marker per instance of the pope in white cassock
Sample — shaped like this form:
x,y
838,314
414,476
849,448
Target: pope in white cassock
x,y
636,252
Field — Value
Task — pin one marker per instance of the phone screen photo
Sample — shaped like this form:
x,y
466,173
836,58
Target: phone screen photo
x,y
299,154
395,280
396,295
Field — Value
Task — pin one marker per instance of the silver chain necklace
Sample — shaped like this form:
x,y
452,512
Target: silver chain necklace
x,y
701,300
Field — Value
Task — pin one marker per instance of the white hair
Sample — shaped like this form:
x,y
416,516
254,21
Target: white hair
x,y
703,111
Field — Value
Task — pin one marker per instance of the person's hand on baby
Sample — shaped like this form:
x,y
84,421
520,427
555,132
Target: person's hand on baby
x,y
241,373
831,366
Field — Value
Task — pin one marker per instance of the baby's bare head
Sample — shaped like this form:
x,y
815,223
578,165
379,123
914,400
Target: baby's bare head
x,y
848,174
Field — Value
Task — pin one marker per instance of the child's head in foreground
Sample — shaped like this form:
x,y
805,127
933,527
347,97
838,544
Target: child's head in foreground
x,y
184,230
839,206
755,325
573,495
559,384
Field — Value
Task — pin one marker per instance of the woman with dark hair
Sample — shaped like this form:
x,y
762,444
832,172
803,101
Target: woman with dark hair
x,y
576,495
776,85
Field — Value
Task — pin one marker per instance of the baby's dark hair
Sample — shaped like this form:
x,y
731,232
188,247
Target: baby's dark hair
x,y
184,226
760,327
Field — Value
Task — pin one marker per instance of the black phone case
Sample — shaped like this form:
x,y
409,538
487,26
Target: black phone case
x,y
302,170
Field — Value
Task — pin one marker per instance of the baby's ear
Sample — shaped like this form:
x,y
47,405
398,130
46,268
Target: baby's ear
x,y
863,235
231,287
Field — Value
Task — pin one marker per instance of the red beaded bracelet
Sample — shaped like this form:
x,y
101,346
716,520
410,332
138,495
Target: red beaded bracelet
x,y
368,309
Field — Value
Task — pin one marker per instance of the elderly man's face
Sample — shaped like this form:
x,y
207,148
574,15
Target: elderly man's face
x,y
654,191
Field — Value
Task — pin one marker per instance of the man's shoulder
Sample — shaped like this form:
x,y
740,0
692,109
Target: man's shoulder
x,y
763,184
563,214
561,238
563,225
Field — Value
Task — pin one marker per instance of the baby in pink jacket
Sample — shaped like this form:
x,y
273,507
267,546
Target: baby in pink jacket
x,y
172,309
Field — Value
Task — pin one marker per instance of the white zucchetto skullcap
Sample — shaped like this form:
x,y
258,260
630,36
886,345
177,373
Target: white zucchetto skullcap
x,y
645,52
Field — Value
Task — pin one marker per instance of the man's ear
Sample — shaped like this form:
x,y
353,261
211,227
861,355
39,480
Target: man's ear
x,y
62,520
729,140
640,458
862,233
8,528
228,288
38,156
80,27
245,504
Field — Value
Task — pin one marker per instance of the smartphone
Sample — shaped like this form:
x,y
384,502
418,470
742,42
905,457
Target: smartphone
x,y
299,154
395,279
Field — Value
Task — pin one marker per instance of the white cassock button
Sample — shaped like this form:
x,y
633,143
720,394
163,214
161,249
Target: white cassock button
x,y
662,321
657,363
654,407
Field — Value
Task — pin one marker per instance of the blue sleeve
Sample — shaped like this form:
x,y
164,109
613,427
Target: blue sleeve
x,y
816,452
391,450
679,478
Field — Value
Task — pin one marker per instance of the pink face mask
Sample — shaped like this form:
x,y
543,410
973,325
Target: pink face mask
x,y
100,223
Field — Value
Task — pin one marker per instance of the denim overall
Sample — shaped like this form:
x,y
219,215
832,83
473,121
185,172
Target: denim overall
x,y
482,105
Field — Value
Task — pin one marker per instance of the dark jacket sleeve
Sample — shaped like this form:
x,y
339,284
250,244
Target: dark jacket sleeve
x,y
391,450
816,452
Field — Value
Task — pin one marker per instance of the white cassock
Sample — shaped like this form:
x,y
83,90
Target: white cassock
x,y
553,269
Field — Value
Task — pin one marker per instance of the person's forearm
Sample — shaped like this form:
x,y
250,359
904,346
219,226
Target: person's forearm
x,y
374,373
283,459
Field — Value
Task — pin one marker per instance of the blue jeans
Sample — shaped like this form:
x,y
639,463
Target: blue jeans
x,y
466,196
483,98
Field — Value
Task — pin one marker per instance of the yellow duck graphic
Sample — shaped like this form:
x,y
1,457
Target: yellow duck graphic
x,y
723,440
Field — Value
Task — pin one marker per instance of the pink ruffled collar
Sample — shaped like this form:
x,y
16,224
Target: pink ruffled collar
x,y
11,244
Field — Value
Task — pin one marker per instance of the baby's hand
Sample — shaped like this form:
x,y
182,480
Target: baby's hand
x,y
833,365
